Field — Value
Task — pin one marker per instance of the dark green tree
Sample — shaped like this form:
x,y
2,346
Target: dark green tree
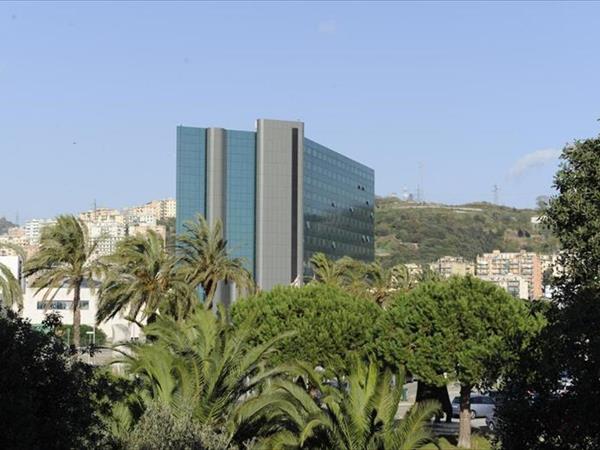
x,y
463,329
47,398
329,324
564,373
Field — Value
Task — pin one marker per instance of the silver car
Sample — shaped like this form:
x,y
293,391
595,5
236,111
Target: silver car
x,y
481,406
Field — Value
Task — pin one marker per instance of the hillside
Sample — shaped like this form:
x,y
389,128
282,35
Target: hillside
x,y
5,225
421,233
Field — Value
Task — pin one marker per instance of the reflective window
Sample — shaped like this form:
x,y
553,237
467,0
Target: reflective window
x,y
339,196
241,187
191,167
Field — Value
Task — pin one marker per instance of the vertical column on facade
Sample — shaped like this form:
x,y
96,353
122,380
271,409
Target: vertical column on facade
x,y
216,190
279,189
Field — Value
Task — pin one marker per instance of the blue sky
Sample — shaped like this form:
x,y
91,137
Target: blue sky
x,y
478,93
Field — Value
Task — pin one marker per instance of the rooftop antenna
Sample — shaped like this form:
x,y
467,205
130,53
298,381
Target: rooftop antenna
x,y
420,194
496,191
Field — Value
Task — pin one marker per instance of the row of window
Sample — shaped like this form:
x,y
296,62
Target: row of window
x,y
62,305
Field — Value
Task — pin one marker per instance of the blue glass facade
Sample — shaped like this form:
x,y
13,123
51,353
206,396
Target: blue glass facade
x,y
191,174
263,218
338,205
240,193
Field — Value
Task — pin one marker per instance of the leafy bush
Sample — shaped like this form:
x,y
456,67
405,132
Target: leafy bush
x,y
329,324
160,428
46,395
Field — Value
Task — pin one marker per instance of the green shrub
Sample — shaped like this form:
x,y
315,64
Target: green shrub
x,y
329,324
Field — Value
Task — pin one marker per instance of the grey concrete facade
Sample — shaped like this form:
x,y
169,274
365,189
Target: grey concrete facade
x,y
279,240
216,169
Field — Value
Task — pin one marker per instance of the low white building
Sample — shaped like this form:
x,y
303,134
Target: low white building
x,y
36,307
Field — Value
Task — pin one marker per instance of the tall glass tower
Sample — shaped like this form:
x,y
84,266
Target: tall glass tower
x,y
281,197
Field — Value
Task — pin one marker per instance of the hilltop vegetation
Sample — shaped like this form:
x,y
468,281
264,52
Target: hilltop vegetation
x,y
421,233
5,225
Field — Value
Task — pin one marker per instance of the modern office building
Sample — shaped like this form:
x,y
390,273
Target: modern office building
x,y
281,197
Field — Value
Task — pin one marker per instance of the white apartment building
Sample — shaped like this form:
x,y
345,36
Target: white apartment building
x,y
33,229
107,234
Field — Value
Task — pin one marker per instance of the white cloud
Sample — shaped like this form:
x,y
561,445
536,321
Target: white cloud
x,y
327,27
537,158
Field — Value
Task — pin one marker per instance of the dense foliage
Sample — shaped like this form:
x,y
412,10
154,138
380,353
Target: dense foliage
x,y
561,372
329,324
141,279
48,399
408,232
463,329
198,370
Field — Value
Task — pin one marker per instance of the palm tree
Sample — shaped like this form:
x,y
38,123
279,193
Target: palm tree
x,y
142,279
204,367
361,416
326,270
65,259
11,293
384,282
203,255
10,289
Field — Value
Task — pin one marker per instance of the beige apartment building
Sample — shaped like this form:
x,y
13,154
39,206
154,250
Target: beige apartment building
x,y
448,266
527,265
102,215
515,285
159,209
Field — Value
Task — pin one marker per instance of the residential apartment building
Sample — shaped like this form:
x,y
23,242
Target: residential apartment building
x,y
515,285
16,236
103,215
159,209
525,264
107,235
281,197
448,266
33,229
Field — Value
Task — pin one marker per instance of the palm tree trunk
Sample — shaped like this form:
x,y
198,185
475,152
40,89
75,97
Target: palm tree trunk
x,y
464,433
210,291
76,315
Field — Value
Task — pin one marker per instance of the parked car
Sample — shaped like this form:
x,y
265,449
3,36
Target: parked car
x,y
481,406
490,422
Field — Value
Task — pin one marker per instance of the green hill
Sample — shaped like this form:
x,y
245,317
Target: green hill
x,y
5,225
421,233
